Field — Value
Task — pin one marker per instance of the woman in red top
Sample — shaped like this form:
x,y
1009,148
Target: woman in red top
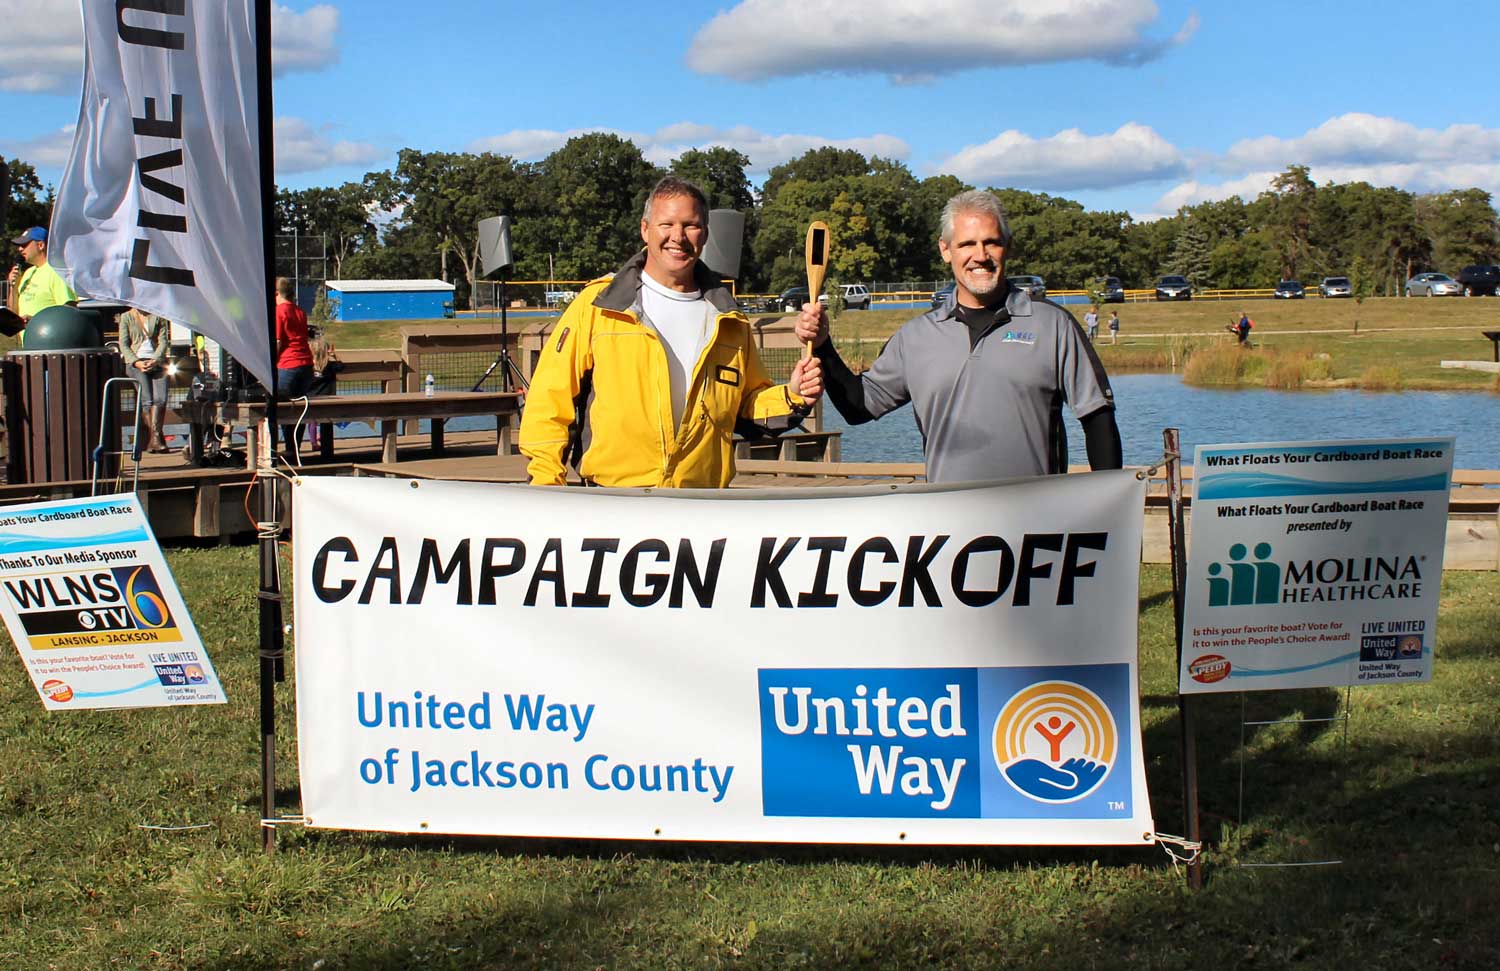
x,y
294,362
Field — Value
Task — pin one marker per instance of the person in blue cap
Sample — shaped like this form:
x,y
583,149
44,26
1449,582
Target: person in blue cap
x,y
38,286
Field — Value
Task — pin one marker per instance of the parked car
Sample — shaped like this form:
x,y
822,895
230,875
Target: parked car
x,y
1174,288
1433,285
1114,291
856,296
1480,280
942,293
792,300
1289,290
1335,286
1033,285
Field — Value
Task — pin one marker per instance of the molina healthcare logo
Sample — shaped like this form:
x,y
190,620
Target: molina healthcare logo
x,y
1055,741
1256,582
1337,578
97,608
1037,742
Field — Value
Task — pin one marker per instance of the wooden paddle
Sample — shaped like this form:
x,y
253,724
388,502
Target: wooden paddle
x,y
818,244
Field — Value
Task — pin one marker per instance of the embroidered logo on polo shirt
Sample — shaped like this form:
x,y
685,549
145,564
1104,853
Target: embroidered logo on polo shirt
x,y
1019,337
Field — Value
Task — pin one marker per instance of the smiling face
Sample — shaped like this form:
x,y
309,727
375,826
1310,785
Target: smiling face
x,y
977,254
674,235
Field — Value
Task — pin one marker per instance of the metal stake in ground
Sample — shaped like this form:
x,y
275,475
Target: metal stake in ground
x,y
818,244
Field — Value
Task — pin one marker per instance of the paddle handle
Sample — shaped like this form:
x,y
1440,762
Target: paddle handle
x,y
818,244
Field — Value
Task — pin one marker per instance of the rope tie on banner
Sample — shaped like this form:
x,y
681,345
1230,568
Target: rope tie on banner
x,y
274,821
1150,471
1192,849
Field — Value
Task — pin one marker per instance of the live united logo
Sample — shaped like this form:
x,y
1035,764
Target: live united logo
x,y
1253,577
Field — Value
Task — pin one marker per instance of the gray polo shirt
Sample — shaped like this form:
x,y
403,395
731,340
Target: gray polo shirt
x,y
994,412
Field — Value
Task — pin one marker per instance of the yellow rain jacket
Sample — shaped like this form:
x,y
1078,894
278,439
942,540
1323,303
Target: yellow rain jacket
x,y
601,399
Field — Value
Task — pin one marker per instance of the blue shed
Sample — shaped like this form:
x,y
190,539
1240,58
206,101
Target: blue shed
x,y
390,299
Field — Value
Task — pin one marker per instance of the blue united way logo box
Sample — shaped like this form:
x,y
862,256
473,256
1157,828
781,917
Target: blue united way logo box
x,y
1026,742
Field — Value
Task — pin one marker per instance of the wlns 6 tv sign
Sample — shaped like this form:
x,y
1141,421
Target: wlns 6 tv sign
x,y
1314,564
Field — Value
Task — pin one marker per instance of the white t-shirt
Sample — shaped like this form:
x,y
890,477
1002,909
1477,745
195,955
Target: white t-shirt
x,y
683,320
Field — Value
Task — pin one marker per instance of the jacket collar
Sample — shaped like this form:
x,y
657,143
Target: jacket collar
x,y
1017,301
623,292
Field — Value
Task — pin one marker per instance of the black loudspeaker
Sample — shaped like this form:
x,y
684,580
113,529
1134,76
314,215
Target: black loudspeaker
x,y
726,237
494,245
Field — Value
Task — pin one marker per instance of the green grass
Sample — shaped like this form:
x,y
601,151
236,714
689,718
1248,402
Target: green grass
x,y
1410,803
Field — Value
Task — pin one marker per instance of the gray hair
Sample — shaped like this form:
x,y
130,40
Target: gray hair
x,y
977,201
673,186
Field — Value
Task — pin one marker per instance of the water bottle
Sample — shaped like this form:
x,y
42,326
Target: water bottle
x,y
429,387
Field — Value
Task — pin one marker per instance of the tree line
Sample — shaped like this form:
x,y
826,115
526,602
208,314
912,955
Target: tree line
x,y
576,215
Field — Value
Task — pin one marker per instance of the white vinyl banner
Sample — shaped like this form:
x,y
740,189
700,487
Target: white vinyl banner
x,y
94,611
921,665
159,206
1314,564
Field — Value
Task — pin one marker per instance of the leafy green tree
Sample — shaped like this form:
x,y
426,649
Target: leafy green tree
x,y
340,216
815,165
1462,227
444,195
26,202
720,173
1286,209
594,188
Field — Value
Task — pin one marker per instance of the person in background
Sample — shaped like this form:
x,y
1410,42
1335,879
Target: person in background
x,y
294,362
1091,321
647,376
987,370
145,340
1114,327
1241,329
38,286
326,368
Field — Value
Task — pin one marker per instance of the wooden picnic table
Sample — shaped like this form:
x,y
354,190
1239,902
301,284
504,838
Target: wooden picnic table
x,y
385,411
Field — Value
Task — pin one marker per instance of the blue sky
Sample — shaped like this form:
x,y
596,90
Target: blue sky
x,y
1120,104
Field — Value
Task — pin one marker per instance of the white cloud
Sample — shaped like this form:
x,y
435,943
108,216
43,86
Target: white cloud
x,y
1192,192
1370,140
43,48
660,147
1069,160
907,41
303,41
302,148
49,151
1353,147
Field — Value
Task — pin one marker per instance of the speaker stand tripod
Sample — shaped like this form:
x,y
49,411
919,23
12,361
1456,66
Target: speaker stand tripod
x,y
511,377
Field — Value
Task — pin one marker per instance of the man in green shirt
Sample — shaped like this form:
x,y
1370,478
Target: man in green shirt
x,y
39,286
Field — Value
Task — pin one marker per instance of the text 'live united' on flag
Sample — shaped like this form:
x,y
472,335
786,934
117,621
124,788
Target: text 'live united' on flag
x,y
160,204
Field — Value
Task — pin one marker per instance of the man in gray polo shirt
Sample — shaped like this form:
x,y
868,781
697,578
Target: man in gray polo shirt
x,y
987,371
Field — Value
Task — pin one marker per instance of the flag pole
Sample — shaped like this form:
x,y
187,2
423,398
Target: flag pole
x,y
271,642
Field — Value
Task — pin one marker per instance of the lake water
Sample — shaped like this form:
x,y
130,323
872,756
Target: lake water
x,y
1147,403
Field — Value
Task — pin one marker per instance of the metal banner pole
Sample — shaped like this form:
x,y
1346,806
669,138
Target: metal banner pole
x,y
271,641
1178,538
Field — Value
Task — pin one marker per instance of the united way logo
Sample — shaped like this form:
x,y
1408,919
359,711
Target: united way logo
x,y
1055,741
1238,583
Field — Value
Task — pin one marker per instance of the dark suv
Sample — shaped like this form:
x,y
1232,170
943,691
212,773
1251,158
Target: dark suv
x,y
1480,280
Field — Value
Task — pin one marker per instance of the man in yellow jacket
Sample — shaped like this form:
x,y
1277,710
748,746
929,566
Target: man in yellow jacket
x,y
647,375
